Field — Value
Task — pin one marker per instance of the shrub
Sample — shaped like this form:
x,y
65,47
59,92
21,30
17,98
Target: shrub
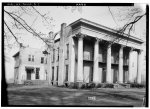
x,y
99,85
107,85
90,85
83,86
136,85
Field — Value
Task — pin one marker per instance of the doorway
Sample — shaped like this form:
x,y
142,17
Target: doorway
x,y
29,72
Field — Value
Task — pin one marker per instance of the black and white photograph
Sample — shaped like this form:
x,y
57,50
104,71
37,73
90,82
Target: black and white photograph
x,y
75,54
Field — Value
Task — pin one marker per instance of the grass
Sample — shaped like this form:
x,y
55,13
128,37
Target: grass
x,y
50,96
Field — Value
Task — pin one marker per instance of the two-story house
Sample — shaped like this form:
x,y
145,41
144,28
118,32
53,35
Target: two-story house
x,y
30,65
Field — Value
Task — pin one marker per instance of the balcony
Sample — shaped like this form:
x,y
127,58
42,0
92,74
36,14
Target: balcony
x,y
87,57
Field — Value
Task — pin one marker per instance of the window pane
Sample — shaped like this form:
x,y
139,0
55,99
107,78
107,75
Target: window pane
x,y
66,73
33,58
29,58
42,60
37,73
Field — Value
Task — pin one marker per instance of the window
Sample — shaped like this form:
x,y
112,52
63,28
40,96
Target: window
x,y
67,51
53,55
52,73
37,73
91,73
58,55
32,58
57,73
66,73
29,58
46,74
42,60
46,61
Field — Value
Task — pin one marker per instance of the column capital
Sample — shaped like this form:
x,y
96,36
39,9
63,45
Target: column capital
x,y
80,35
139,51
122,46
98,39
109,44
132,49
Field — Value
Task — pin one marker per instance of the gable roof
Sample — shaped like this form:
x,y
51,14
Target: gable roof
x,y
96,25
16,54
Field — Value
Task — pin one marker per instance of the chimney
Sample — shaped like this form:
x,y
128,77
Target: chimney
x,y
63,25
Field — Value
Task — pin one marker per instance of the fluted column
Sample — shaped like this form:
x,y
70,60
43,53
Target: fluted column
x,y
108,65
130,66
139,66
80,58
121,65
96,60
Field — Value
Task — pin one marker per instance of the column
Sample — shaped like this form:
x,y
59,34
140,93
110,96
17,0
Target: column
x,y
72,60
108,65
80,58
96,60
139,59
121,65
130,66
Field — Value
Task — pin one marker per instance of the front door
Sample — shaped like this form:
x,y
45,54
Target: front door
x,y
104,75
28,74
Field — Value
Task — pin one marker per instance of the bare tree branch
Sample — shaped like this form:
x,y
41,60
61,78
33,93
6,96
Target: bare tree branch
x,y
131,24
25,25
112,15
43,16
11,32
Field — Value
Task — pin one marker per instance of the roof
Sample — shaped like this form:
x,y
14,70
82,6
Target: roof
x,y
81,20
16,54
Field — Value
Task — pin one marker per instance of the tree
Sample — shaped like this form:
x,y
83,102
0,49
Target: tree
x,y
16,23
130,16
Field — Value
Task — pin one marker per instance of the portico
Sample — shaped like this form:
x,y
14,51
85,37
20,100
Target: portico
x,y
114,70
96,54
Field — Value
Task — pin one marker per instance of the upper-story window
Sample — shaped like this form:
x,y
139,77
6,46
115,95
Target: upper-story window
x,y
67,51
45,60
58,55
53,55
32,58
29,58
42,60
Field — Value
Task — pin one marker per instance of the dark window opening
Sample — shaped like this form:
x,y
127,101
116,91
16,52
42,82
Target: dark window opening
x,y
32,58
52,73
57,73
91,73
53,55
29,58
58,55
67,51
42,60
66,73
37,73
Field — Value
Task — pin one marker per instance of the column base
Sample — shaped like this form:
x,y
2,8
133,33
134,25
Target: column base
x,y
79,85
66,84
55,83
96,84
71,85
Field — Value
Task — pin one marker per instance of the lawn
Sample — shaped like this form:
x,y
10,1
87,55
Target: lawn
x,y
50,96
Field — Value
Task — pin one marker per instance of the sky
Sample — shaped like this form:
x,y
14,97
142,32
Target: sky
x,y
97,14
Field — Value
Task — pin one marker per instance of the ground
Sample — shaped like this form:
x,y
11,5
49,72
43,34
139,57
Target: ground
x,y
50,96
